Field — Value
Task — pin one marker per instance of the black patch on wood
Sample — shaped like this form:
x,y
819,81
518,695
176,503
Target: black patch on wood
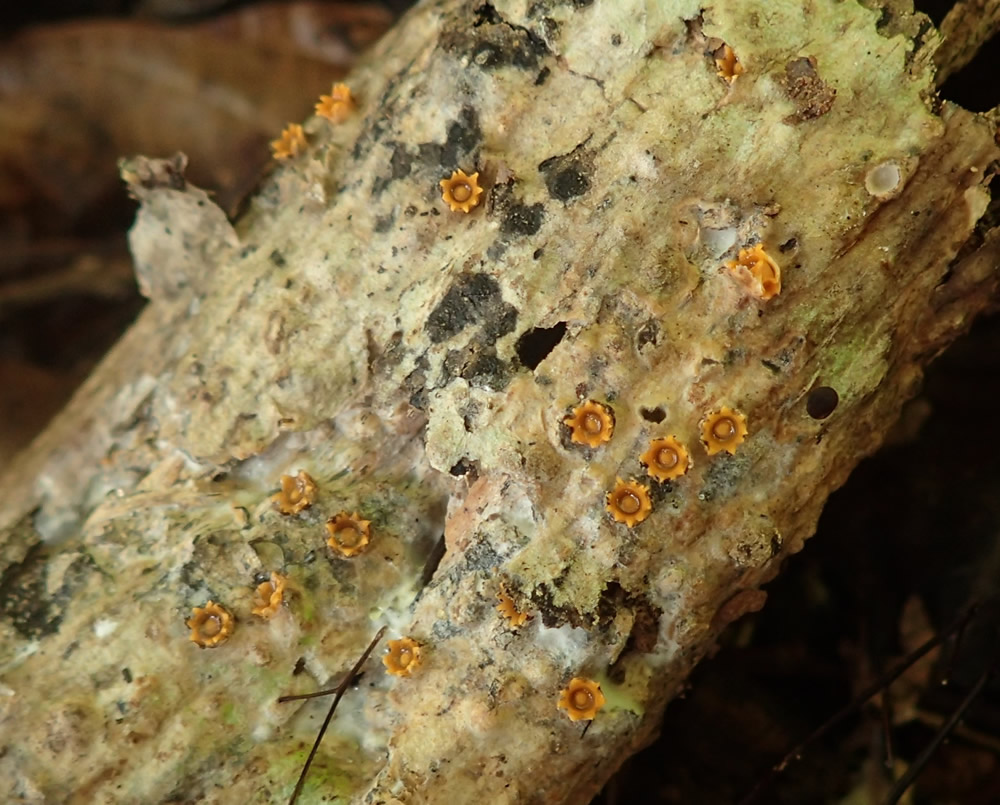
x,y
522,219
555,616
462,140
25,599
472,299
481,556
479,366
534,345
567,175
277,259
723,475
383,223
492,42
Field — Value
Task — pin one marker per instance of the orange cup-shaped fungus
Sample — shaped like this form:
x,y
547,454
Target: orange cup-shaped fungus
x,y
507,608
581,699
723,430
461,192
349,534
268,596
338,105
210,625
729,66
666,459
629,502
757,270
298,492
591,423
403,656
292,142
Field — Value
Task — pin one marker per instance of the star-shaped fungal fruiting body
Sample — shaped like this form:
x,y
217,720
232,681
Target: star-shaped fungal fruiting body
x,y
403,656
591,423
629,502
292,142
338,105
268,596
349,534
757,270
581,699
507,608
210,625
724,429
665,459
461,192
729,66
298,492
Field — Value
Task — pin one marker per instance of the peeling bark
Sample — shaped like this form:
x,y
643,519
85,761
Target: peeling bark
x,y
351,325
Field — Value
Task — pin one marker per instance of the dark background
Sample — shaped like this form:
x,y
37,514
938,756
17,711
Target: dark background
x,y
910,540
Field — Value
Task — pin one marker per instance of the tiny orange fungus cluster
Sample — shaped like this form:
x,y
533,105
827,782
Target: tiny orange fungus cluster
x,y
591,423
729,66
757,270
291,143
723,430
461,192
507,608
210,625
666,459
268,596
403,656
297,493
338,105
581,699
629,502
349,534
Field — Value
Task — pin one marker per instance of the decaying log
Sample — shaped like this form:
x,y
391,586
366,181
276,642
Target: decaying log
x,y
419,364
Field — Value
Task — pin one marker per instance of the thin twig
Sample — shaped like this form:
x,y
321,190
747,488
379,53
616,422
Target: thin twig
x,y
887,708
955,649
855,704
339,694
917,766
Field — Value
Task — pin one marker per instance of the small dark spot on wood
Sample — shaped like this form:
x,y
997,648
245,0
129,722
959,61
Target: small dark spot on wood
x,y
813,96
616,39
648,335
534,345
300,666
383,223
653,414
126,675
788,245
277,258
543,74
537,253
821,402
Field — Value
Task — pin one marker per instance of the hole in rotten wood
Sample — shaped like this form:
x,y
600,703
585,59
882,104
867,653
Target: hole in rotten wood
x,y
821,402
535,345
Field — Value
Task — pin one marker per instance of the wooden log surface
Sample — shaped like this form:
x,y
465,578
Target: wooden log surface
x,y
420,363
